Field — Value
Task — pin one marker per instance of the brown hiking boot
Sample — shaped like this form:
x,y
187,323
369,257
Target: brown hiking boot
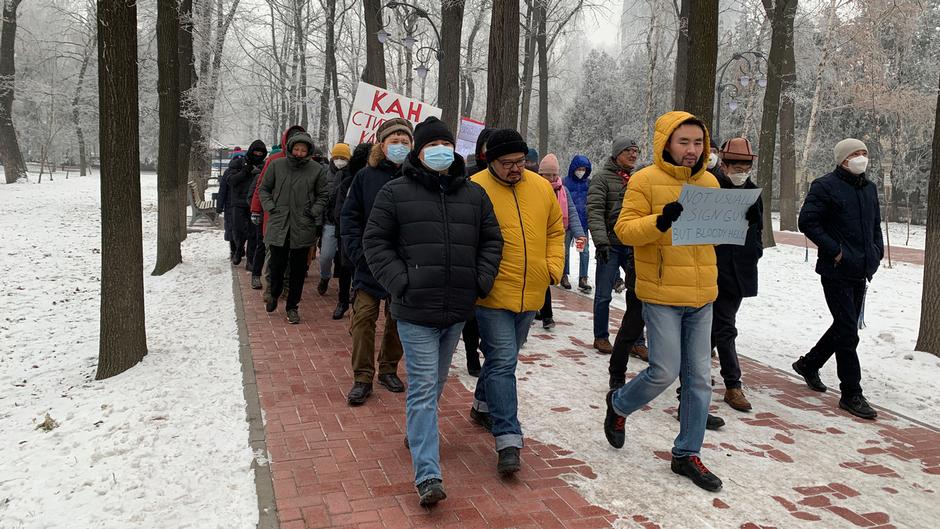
x,y
603,346
641,352
736,399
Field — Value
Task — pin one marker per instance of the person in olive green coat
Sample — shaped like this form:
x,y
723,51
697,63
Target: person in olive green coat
x,y
294,193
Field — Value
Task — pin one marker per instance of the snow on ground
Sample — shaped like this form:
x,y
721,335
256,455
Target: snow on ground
x,y
162,445
902,234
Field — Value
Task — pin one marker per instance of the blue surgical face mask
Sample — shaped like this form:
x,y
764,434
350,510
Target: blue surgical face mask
x,y
397,152
439,157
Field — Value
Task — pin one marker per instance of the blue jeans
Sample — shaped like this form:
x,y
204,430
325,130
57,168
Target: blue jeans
x,y
327,251
502,333
680,346
583,255
428,352
621,258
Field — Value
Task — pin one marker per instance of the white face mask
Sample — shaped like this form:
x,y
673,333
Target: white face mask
x,y
580,174
739,178
858,164
712,161
340,163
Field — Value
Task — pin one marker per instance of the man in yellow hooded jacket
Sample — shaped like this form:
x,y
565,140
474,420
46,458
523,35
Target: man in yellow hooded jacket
x,y
530,220
677,285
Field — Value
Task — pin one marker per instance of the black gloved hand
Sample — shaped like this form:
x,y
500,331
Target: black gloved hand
x,y
671,212
753,214
602,252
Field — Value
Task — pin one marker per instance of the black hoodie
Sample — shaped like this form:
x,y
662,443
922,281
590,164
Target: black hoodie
x,y
243,181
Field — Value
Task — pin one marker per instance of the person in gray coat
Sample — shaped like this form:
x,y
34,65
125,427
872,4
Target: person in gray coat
x,y
294,193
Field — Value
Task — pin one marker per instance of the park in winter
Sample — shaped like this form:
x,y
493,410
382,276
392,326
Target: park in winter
x,y
560,264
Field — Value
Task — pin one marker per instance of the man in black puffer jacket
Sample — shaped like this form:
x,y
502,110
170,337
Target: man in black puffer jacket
x,y
241,185
434,243
842,217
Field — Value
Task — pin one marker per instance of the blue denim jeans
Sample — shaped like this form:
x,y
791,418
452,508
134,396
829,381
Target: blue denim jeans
x,y
621,258
327,251
428,352
502,333
680,346
583,255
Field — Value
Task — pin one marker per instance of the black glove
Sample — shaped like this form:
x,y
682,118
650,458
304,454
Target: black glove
x,y
753,214
602,253
671,212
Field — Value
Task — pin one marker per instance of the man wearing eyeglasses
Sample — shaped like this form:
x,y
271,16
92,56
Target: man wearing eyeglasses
x,y
533,231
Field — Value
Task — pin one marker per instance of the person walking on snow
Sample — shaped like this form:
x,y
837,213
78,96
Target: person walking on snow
x,y
294,193
549,170
530,220
605,198
340,155
394,143
737,268
677,285
577,181
433,242
842,217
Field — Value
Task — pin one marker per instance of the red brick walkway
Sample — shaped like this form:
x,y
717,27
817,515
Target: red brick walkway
x,y
898,253
337,466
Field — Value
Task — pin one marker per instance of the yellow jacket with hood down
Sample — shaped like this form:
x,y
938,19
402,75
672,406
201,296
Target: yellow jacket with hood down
x,y
533,241
685,276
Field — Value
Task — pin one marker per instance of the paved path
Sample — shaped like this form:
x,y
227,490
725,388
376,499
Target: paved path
x,y
898,253
796,462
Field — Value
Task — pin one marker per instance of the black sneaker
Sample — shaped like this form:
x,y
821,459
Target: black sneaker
x,y
857,406
565,284
508,462
271,305
391,382
616,382
692,468
340,311
713,422
548,324
614,424
359,393
474,369
538,316
293,317
256,282
811,377
430,491
322,286
481,418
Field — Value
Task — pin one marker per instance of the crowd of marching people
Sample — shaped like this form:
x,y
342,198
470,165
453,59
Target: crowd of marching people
x,y
446,248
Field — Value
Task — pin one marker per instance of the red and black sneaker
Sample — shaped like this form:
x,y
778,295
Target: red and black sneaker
x,y
614,424
693,468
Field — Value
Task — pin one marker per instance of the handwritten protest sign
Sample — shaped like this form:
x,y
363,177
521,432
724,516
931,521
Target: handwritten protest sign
x,y
467,135
713,215
374,105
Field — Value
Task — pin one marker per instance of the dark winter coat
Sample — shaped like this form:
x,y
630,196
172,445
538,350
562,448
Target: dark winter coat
x,y
841,214
330,215
478,157
294,192
223,201
433,242
276,154
342,180
240,183
364,188
605,198
737,265
578,187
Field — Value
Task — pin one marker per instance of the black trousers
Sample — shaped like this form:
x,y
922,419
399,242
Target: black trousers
x,y
724,333
844,298
257,259
345,282
241,220
283,257
631,327
471,342
546,311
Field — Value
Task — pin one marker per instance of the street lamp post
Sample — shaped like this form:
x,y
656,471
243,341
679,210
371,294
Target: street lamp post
x,y
409,42
746,80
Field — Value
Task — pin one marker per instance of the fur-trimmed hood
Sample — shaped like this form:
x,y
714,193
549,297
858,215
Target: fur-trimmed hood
x,y
376,155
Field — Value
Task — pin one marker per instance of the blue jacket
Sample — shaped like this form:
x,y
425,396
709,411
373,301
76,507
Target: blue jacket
x,y
841,214
578,187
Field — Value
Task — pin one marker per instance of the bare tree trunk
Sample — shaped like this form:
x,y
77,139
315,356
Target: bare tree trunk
x,y
76,113
502,79
168,181
802,176
374,72
469,91
682,57
542,45
123,340
448,83
652,51
787,124
323,129
187,86
928,339
703,59
528,65
13,165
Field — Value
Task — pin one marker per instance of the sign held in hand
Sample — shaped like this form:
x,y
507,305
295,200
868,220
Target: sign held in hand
x,y
713,215
374,105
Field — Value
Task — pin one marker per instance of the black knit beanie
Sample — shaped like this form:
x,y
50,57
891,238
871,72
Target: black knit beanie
x,y
431,129
503,142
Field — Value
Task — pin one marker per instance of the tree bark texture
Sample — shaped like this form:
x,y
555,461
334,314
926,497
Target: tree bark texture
x,y
542,45
123,340
448,84
168,181
76,112
374,72
682,57
528,66
187,85
928,339
502,78
469,87
13,165
703,59
329,73
787,124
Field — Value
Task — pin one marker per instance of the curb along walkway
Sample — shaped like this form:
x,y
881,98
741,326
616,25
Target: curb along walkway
x,y
898,253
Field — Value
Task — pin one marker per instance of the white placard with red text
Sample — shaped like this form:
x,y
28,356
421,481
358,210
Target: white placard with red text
x,y
373,106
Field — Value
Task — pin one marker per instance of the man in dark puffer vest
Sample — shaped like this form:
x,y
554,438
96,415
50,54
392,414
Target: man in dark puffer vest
x,y
433,242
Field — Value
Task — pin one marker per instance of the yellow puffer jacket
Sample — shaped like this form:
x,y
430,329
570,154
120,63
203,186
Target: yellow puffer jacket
x,y
533,241
685,276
